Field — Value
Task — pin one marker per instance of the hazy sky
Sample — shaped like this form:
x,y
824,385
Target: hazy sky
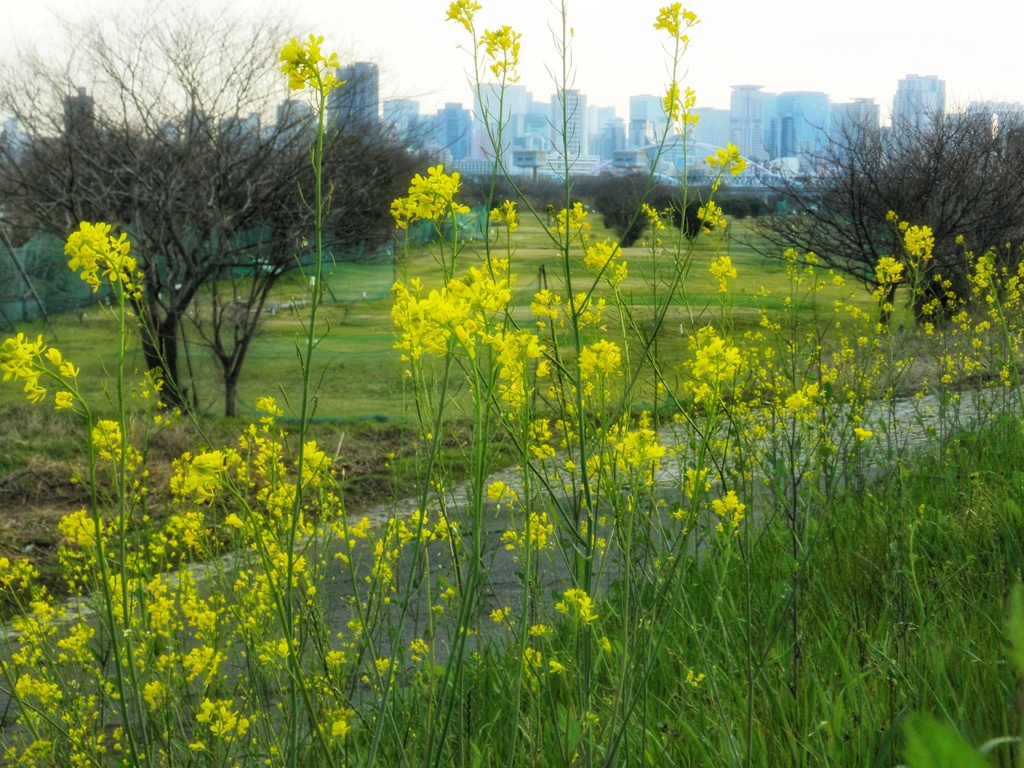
x,y
847,49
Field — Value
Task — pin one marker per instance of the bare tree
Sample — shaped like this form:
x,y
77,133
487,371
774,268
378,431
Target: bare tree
x,y
187,145
962,175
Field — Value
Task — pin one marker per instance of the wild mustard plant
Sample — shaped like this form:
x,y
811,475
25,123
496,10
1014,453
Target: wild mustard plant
x,y
661,523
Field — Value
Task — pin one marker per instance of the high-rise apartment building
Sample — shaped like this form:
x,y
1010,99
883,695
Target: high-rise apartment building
x,y
799,128
1002,114
358,101
456,130
646,115
569,124
402,116
746,121
79,112
710,133
919,100
854,121
510,109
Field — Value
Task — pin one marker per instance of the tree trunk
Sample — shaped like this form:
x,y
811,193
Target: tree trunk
x,y
160,350
231,393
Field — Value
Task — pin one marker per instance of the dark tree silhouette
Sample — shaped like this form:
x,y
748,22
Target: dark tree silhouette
x,y
188,144
962,175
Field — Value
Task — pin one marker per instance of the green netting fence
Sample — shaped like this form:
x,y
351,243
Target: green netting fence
x,y
36,282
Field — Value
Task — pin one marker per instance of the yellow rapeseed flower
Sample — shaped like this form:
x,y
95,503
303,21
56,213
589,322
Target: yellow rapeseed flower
x,y
730,509
306,66
577,603
223,722
97,253
888,271
722,269
603,357
431,197
502,48
728,159
676,20
462,12
506,214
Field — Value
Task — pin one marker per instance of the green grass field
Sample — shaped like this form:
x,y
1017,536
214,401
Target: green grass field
x,y
359,369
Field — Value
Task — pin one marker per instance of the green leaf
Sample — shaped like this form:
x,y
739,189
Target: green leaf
x,y
931,744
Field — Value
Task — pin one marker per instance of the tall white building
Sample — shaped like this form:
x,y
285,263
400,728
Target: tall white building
x,y
646,116
747,121
855,120
358,102
1002,114
711,132
569,124
919,100
800,125
402,115
509,109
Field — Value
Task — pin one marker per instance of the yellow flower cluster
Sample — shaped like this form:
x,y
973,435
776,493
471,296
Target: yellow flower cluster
x,y
506,214
602,358
676,20
223,722
577,604
464,310
888,271
650,213
534,535
23,359
97,253
638,452
502,48
601,258
431,198
545,305
727,159
918,241
516,349
803,403
198,477
678,104
730,509
572,221
306,66
462,12
722,269
716,363
711,215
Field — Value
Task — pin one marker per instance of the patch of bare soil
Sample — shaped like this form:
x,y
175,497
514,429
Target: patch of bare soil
x,y
34,497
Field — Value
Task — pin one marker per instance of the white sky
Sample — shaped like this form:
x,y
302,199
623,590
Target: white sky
x,y
846,48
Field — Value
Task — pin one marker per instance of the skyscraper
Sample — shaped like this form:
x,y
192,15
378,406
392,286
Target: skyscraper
x,y
79,112
919,100
569,111
802,121
358,101
402,116
1002,115
494,107
746,121
854,121
711,131
646,115
456,131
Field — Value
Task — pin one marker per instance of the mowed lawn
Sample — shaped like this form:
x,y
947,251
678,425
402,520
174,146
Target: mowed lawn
x,y
358,369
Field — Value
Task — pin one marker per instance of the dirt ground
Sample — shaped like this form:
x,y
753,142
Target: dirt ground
x,y
39,491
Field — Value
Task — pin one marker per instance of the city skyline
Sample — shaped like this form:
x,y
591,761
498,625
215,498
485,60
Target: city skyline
x,y
799,46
